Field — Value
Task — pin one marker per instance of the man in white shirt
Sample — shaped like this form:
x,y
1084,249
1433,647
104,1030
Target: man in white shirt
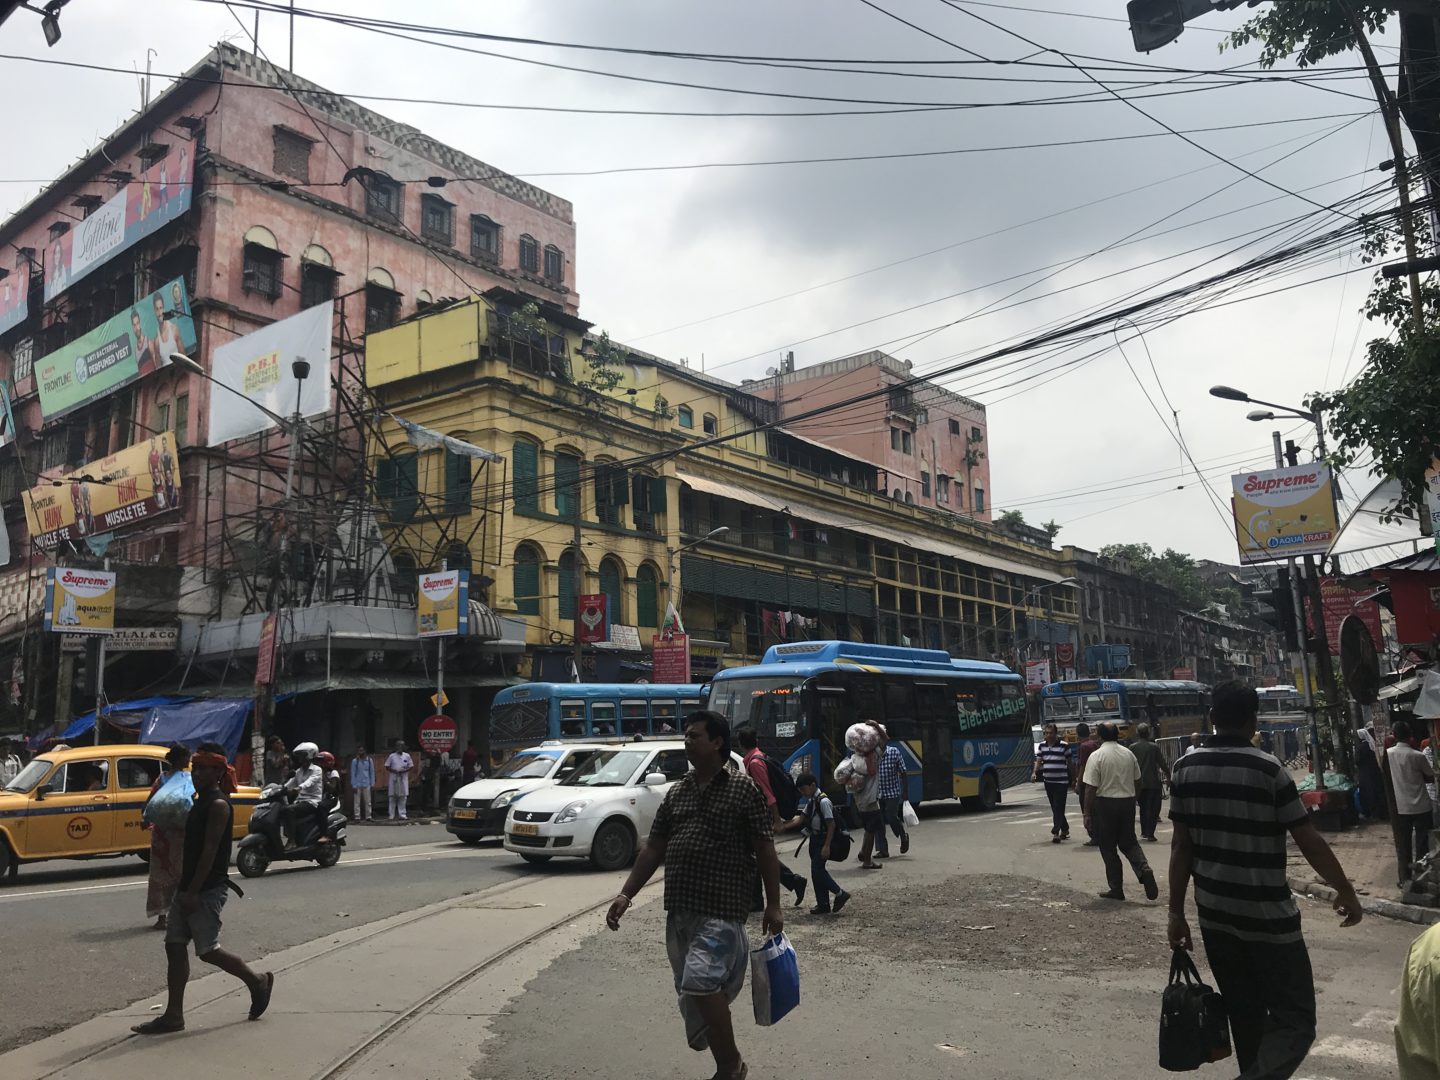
x,y
1409,772
308,786
398,766
1112,775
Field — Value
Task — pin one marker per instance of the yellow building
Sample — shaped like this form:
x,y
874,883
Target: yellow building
x,y
765,536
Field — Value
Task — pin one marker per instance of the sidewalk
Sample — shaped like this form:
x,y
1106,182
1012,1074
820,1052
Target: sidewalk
x,y
1367,853
336,995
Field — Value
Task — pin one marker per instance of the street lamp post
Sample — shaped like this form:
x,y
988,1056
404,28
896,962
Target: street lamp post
x,y
672,594
293,428
1229,393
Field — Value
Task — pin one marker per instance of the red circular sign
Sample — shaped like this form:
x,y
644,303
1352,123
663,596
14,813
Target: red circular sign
x,y
437,733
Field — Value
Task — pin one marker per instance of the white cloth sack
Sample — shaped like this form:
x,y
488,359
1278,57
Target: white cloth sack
x,y
907,812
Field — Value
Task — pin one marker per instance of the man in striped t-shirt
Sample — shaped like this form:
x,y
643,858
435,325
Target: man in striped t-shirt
x,y
1053,765
1232,806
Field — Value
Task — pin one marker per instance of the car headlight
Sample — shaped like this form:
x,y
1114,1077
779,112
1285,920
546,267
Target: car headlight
x,y
504,798
571,812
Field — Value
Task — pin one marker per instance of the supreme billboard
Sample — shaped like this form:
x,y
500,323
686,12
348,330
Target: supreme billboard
x,y
1281,513
157,196
128,488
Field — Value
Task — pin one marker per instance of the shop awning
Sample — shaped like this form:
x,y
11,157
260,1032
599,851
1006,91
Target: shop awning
x,y
805,511
1401,688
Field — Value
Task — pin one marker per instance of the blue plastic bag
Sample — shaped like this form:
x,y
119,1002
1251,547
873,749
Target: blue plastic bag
x,y
774,980
170,805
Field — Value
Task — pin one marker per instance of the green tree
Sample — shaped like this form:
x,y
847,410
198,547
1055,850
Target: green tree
x,y
1012,517
1172,569
1052,527
607,365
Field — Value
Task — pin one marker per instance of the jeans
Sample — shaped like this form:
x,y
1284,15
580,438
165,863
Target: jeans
x,y
1058,793
1269,994
1150,802
890,814
821,883
1114,823
1413,837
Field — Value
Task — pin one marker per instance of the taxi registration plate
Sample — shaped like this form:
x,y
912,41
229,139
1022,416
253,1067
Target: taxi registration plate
x,y
525,830
464,815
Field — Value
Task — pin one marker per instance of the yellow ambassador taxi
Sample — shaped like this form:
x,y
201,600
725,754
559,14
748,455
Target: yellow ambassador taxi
x,y
86,802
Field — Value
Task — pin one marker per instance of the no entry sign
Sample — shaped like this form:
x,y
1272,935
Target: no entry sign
x,y
437,733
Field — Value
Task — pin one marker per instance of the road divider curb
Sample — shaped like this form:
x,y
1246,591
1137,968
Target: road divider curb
x,y
1388,909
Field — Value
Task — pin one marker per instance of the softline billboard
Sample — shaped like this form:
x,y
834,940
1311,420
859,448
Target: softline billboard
x,y
443,604
1280,513
154,198
130,488
258,366
14,298
120,350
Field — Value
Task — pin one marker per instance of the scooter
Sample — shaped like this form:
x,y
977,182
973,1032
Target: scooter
x,y
322,835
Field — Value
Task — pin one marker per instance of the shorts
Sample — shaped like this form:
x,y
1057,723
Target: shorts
x,y
708,956
202,926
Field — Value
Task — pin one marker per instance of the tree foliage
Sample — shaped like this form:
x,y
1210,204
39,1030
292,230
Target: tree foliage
x,y
607,365
1171,569
1012,517
1307,31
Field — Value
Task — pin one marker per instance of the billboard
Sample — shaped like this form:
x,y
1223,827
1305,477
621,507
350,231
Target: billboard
x,y
1337,603
594,618
79,601
670,658
120,350
1037,673
159,195
1280,513
258,366
127,488
14,298
443,603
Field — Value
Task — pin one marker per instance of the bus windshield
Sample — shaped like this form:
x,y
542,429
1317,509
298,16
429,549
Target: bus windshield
x,y
770,706
1073,708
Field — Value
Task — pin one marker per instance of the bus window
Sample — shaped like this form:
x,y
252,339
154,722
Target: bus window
x,y
634,718
932,701
572,719
865,698
899,701
602,718
664,717
987,710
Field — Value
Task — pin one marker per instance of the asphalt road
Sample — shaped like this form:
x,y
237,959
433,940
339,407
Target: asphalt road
x,y
77,941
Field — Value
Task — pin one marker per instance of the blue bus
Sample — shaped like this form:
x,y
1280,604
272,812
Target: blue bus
x,y
959,723
1174,708
530,713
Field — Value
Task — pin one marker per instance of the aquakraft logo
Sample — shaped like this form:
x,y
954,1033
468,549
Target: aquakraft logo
x,y
1280,513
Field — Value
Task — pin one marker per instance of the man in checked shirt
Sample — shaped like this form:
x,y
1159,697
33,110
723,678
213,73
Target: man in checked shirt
x,y
712,833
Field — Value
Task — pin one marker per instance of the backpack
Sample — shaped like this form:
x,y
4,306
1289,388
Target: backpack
x,y
1194,1030
840,842
782,785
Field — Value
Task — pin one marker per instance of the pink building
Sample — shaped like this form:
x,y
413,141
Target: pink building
x,y
929,443
239,197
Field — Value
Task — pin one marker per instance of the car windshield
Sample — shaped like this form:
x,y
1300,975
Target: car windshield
x,y
28,778
608,768
525,767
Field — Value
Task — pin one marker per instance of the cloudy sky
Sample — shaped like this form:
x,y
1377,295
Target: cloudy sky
x,y
937,259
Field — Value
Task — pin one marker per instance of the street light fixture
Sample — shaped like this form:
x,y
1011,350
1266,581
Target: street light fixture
x,y
670,593
1035,592
300,368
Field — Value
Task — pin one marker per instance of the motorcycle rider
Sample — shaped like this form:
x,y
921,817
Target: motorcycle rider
x,y
307,788
333,789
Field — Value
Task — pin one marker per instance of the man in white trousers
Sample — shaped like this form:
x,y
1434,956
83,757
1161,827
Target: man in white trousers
x,y
398,765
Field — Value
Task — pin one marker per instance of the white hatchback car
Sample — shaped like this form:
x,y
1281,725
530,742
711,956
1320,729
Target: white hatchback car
x,y
602,811
478,809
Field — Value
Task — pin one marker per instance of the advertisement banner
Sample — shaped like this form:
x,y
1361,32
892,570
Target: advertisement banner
x,y
157,196
1037,673
79,601
258,365
120,350
594,618
443,604
670,658
1184,674
1339,602
14,298
130,639
1281,513
265,655
128,488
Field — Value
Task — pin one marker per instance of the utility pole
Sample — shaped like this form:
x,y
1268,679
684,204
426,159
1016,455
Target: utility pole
x,y
578,584
1307,689
100,676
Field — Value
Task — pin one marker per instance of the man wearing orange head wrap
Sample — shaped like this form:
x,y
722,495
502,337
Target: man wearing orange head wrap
x,y
204,879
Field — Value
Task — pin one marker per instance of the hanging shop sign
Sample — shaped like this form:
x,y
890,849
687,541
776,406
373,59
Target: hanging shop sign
x,y
443,604
120,350
128,488
1037,673
265,656
159,194
670,658
130,639
594,621
79,601
1281,513
259,366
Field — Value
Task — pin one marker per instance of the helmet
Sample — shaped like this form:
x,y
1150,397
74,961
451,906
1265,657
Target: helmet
x,y
306,748
326,759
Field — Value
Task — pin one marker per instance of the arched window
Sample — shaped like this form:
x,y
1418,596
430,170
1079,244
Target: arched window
x,y
909,499
567,483
260,272
397,484
525,479
711,424
686,416
457,479
529,254
382,299
554,263
612,584
526,580
647,597
567,585
317,276
457,556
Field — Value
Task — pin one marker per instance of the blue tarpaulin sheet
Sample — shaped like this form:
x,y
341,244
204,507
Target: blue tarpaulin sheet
x,y
113,714
219,720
